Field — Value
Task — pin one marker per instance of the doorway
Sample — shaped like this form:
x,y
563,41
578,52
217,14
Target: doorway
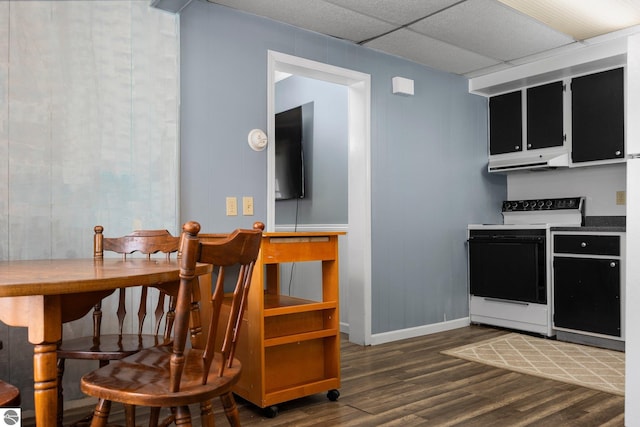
x,y
359,176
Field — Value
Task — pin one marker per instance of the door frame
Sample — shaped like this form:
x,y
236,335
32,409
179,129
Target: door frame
x,y
359,176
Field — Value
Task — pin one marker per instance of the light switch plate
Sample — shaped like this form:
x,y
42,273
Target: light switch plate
x,y
621,197
232,206
247,205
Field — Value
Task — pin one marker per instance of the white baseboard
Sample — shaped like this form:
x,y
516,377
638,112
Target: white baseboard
x,y
418,331
344,328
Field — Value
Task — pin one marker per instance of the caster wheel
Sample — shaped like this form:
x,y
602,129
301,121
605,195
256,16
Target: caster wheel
x,y
271,411
333,395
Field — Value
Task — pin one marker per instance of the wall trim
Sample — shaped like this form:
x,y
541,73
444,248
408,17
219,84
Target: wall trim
x,y
359,176
418,331
312,227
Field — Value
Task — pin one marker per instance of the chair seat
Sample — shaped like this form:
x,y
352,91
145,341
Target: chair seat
x,y
109,347
138,379
9,395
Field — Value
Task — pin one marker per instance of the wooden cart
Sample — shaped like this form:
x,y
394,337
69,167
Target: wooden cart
x,y
290,347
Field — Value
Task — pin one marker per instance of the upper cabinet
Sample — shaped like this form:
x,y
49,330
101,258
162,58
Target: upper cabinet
x,y
505,123
545,126
572,122
597,116
544,119
526,128
572,110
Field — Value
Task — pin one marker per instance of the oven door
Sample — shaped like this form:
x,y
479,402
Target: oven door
x,y
508,265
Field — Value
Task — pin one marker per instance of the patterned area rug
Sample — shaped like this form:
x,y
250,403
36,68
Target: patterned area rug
x,y
582,365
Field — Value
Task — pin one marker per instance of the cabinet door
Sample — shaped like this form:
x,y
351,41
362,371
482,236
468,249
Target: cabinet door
x,y
586,294
505,123
597,118
544,116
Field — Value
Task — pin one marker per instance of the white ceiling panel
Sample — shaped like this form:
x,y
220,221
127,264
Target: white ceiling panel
x,y
582,19
469,37
491,29
424,50
400,12
315,15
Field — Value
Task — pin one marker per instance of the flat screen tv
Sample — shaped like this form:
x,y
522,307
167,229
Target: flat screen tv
x,y
289,169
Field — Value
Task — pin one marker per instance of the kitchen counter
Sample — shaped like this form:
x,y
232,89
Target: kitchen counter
x,y
616,224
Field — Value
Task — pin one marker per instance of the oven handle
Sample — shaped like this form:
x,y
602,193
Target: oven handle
x,y
506,239
507,301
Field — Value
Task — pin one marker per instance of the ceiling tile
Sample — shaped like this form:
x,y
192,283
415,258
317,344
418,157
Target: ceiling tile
x,y
583,19
314,15
491,29
468,37
400,12
433,53
548,53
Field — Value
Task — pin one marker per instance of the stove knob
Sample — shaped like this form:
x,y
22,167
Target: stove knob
x,y
549,203
540,204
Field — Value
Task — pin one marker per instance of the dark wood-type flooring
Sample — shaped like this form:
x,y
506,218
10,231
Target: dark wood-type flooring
x,y
409,383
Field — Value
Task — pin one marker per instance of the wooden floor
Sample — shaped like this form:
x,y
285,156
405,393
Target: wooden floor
x,y
409,383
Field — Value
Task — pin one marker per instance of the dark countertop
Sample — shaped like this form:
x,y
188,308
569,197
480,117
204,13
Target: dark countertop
x,y
591,229
617,224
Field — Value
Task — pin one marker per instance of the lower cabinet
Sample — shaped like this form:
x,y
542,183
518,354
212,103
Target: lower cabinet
x,y
588,295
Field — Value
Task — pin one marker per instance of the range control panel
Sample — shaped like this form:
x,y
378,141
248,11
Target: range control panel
x,y
573,203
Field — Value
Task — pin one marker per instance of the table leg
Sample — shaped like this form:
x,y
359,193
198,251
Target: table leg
x,y
41,315
45,380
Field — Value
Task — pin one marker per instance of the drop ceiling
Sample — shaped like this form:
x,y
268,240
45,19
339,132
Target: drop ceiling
x,y
468,37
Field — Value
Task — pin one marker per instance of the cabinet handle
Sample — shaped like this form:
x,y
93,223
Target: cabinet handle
x,y
618,152
528,145
612,264
583,244
517,147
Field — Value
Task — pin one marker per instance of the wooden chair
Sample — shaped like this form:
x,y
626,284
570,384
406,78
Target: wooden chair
x,y
109,347
9,394
170,376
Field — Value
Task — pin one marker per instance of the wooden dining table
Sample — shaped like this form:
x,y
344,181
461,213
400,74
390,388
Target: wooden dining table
x,y
43,294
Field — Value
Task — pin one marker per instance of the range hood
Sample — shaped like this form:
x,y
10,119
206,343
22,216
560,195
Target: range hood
x,y
529,160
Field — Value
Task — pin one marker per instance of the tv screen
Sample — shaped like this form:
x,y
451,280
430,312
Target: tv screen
x,y
289,171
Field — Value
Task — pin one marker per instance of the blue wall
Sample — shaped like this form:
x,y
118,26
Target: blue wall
x,y
428,155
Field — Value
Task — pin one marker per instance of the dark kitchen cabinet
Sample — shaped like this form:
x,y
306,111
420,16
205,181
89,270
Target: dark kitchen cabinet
x,y
587,283
544,119
587,295
505,123
597,116
545,126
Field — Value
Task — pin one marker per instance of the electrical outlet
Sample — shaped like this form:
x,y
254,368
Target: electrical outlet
x,y
232,206
621,197
247,205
